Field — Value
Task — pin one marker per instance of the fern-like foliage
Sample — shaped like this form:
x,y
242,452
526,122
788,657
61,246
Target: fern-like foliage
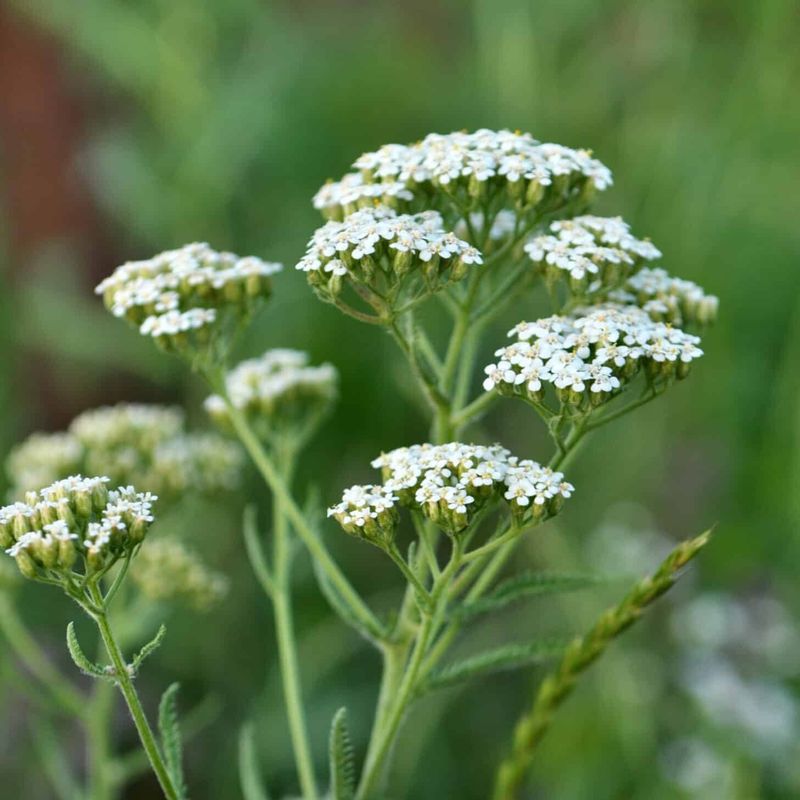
x,y
171,744
342,763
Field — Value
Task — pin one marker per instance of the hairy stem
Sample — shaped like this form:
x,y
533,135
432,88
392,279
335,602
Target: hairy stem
x,y
287,645
125,683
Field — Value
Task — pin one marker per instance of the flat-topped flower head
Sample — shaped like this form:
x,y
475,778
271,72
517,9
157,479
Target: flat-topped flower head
x,y
191,298
337,199
277,391
588,357
450,483
75,528
670,299
472,167
591,254
369,512
380,254
166,570
145,445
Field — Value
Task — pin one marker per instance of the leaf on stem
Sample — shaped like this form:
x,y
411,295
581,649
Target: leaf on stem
x,y
250,779
509,656
86,666
334,598
148,650
528,584
255,552
171,744
342,764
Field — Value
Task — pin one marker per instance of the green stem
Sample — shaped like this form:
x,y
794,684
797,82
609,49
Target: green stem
x,y
125,683
287,645
421,592
31,655
101,779
297,519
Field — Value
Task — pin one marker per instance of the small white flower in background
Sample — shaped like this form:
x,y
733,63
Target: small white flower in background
x,y
449,483
132,443
166,570
181,294
667,298
598,349
278,389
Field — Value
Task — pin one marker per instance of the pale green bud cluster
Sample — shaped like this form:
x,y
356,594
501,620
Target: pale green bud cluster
x,y
191,299
673,300
277,391
75,528
144,445
166,570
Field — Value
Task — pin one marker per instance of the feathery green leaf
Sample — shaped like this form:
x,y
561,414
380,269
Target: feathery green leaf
x,y
509,656
148,649
171,737
528,584
343,771
86,666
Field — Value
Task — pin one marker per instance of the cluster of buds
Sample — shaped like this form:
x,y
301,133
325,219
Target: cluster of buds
x,y
75,527
166,570
449,484
592,254
379,252
188,299
489,167
588,357
143,445
664,298
277,391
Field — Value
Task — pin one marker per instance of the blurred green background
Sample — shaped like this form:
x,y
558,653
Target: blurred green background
x,y
127,128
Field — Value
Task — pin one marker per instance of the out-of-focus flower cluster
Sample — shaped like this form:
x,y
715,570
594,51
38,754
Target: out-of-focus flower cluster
x,y
189,298
375,250
588,357
337,199
673,300
480,167
449,484
74,523
277,391
590,253
167,570
145,445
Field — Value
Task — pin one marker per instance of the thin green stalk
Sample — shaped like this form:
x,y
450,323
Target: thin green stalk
x,y
31,655
125,683
384,735
281,493
579,656
101,779
287,645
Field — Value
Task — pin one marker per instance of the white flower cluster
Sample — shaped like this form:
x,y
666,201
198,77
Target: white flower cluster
x,y
590,355
167,570
190,289
592,252
74,518
674,300
449,483
376,247
279,388
337,199
145,445
485,159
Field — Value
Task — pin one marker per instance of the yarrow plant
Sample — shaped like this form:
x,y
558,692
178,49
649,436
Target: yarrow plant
x,y
466,222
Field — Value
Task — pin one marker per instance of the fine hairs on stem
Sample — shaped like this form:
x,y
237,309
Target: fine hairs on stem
x,y
467,221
